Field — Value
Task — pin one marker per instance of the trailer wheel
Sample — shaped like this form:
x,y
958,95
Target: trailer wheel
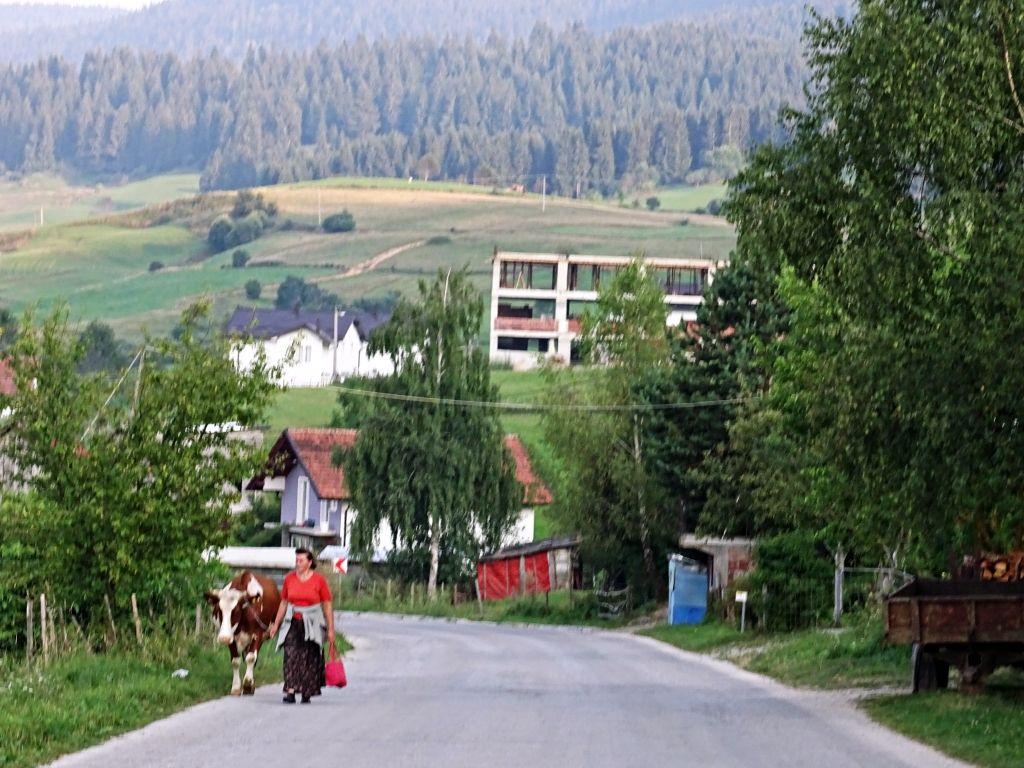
x,y
929,673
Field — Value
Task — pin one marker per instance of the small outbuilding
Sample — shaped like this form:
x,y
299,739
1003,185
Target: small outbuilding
x,y
535,568
725,559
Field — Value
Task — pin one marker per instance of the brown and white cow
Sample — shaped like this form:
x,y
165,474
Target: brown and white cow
x,y
244,608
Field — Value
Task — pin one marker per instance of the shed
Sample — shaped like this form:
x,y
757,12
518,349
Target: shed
x,y
725,559
541,566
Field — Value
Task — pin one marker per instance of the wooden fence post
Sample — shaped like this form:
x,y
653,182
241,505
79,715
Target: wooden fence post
x,y
110,619
199,619
30,634
138,623
42,628
52,616
387,592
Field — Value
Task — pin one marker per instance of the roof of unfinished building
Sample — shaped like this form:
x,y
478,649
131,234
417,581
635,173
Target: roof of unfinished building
x,y
583,258
313,449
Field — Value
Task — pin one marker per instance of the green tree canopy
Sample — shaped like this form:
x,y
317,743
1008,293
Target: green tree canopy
x,y
438,471
893,220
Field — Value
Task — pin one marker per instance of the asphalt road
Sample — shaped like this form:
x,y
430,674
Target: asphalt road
x,y
436,693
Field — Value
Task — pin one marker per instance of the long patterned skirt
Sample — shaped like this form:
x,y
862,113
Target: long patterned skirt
x,y
303,662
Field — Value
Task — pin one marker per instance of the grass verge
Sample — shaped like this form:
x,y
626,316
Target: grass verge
x,y
84,699
557,608
854,657
985,729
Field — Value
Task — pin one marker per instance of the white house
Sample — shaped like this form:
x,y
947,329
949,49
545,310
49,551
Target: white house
x,y
313,348
316,508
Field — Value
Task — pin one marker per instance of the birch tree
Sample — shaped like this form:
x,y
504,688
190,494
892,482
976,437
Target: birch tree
x,y
432,466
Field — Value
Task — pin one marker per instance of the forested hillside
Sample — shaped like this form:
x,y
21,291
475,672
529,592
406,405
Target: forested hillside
x,y
586,110
188,27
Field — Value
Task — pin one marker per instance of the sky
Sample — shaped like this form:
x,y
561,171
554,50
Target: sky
x,y
80,3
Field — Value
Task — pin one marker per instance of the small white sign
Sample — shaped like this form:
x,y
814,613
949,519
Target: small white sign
x,y
741,597
341,565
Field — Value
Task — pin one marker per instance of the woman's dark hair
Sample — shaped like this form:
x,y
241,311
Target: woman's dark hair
x,y
309,556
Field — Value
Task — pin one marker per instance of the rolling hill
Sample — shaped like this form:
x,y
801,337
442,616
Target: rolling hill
x,y
405,232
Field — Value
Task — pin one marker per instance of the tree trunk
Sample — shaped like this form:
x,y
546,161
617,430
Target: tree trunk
x,y
435,559
435,527
645,532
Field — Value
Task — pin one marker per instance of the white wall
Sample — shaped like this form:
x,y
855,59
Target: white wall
x,y
311,362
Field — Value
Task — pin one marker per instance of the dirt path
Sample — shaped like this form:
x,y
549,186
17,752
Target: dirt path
x,y
370,264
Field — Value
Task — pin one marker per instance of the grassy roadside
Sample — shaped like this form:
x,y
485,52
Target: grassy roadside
x,y
985,729
534,609
85,699
856,657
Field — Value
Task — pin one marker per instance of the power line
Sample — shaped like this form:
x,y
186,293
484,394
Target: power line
x,y
534,407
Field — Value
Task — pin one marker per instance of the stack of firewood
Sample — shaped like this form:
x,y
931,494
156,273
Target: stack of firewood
x,y
1001,567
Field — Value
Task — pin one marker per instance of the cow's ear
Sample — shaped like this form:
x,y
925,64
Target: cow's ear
x,y
212,596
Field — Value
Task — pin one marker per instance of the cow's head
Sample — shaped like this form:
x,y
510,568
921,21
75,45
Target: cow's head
x,y
228,604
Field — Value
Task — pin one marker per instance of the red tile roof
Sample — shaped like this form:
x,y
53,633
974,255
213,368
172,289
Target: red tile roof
x,y
6,378
312,448
535,492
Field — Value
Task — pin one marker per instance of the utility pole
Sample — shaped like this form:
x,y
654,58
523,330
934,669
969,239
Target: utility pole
x,y
543,193
319,210
42,218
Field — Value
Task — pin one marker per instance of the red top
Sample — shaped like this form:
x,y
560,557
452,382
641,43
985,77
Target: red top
x,y
312,591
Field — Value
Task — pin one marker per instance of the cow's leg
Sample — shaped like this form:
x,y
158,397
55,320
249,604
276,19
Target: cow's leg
x,y
236,662
249,683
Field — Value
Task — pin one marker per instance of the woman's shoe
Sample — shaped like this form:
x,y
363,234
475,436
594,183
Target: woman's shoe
x,y
289,698
305,699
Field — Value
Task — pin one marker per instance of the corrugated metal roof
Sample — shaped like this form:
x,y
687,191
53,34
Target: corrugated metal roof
x,y
533,548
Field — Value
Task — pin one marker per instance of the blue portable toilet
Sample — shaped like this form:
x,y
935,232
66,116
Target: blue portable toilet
x,y
687,591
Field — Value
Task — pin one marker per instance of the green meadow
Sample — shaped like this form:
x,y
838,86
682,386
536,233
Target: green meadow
x,y
100,260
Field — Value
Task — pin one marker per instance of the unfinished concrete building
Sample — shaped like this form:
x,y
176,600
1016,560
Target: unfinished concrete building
x,y
537,299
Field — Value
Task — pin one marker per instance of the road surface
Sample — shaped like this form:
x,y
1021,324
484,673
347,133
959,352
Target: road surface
x,y
437,693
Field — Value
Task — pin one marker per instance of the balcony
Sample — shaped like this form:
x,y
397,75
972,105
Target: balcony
x,y
546,324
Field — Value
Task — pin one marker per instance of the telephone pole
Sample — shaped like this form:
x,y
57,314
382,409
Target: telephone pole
x,y
544,193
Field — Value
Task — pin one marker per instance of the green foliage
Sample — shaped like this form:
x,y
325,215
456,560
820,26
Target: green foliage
x,y
339,222
892,225
652,203
434,471
239,258
156,266
137,482
608,490
295,292
250,216
101,350
8,328
253,289
797,577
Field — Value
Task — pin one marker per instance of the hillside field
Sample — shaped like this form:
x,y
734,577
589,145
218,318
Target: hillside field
x,y
405,232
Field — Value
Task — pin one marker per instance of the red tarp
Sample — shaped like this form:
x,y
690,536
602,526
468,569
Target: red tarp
x,y
499,579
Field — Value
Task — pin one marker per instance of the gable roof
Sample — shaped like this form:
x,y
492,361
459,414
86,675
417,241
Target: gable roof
x,y
7,387
270,323
312,449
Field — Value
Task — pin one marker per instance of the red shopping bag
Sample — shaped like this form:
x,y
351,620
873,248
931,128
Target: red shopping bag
x,y
334,671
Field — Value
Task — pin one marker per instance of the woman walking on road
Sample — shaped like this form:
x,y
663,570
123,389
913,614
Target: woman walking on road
x,y
306,611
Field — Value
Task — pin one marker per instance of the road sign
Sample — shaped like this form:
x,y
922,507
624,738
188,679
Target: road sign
x,y
341,565
741,597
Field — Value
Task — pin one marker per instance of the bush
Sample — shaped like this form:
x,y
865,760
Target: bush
x,y
253,289
439,240
653,203
715,207
339,222
239,258
791,586
220,233
156,266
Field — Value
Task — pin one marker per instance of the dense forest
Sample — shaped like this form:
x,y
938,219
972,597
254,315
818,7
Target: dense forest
x,y
588,111
189,27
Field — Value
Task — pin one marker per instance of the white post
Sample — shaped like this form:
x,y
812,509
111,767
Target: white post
x,y
837,587
544,193
743,616
319,210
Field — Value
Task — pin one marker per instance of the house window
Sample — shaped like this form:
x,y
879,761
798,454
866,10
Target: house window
x,y
323,515
307,353
302,501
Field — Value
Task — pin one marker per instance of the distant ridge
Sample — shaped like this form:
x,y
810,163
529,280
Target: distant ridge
x,y
232,26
